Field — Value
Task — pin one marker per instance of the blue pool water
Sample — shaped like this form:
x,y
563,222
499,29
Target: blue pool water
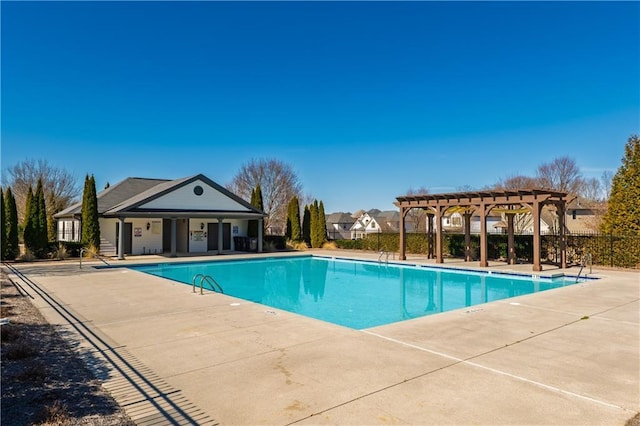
x,y
356,294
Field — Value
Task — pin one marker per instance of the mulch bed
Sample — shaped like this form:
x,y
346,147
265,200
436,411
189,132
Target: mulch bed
x,y
43,380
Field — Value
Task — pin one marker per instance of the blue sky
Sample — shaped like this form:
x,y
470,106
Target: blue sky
x,y
365,100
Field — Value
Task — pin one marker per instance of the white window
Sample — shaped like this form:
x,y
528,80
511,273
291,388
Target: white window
x,y
456,220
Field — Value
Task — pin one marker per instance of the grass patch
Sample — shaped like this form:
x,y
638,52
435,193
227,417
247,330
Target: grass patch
x,y
55,414
8,334
297,245
34,372
19,350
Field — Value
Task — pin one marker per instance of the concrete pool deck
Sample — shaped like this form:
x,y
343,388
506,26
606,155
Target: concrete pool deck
x,y
169,356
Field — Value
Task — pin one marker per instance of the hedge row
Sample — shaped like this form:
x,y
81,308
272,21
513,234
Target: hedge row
x,y
607,250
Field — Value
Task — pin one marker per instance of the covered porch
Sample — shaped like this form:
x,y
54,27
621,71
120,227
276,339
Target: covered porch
x,y
185,232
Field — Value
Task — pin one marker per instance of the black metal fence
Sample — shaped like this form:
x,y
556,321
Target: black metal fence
x,y
605,249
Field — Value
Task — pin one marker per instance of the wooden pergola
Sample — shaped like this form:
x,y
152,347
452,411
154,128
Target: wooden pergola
x,y
481,203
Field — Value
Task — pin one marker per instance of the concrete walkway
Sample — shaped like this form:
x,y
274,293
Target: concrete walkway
x,y
564,356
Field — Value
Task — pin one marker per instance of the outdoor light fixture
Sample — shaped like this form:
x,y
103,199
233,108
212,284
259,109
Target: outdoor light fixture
x,y
148,225
201,225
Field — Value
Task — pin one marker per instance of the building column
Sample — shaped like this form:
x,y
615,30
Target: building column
x,y
403,248
537,266
121,239
220,239
260,235
174,239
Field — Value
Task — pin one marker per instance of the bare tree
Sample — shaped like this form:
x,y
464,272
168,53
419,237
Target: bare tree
x,y
592,190
417,217
605,180
60,186
279,184
516,182
562,174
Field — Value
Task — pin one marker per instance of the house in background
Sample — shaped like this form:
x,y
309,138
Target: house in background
x,y
584,216
374,221
339,225
149,216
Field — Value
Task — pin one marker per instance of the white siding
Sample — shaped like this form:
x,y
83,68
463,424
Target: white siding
x,y
197,235
146,241
143,240
185,199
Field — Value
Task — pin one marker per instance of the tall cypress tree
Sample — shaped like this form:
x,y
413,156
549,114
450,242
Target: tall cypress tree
x,y
84,214
306,226
315,238
95,216
12,249
296,232
3,226
287,232
52,232
322,225
623,212
260,204
41,234
29,227
90,217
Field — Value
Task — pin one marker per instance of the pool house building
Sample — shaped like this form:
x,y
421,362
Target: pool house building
x,y
155,216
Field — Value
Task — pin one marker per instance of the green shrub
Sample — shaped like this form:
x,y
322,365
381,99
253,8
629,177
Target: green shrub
x,y
278,242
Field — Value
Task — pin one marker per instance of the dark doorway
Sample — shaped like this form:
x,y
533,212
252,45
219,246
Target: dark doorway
x,y
166,235
212,236
128,232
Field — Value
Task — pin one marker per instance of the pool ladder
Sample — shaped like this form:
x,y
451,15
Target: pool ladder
x,y
585,259
215,287
383,253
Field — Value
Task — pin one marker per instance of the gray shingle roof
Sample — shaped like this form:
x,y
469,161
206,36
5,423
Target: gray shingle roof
x,y
133,192
115,194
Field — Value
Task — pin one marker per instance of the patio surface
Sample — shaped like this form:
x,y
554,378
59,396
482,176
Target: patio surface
x,y
169,356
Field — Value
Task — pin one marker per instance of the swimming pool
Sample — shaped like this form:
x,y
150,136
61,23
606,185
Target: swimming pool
x,y
355,294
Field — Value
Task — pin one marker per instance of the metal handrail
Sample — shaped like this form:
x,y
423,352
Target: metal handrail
x,y
386,258
84,250
215,286
584,263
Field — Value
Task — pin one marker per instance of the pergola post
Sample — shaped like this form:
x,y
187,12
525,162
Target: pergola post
x,y
402,255
563,238
511,247
483,236
430,217
537,266
439,213
467,237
